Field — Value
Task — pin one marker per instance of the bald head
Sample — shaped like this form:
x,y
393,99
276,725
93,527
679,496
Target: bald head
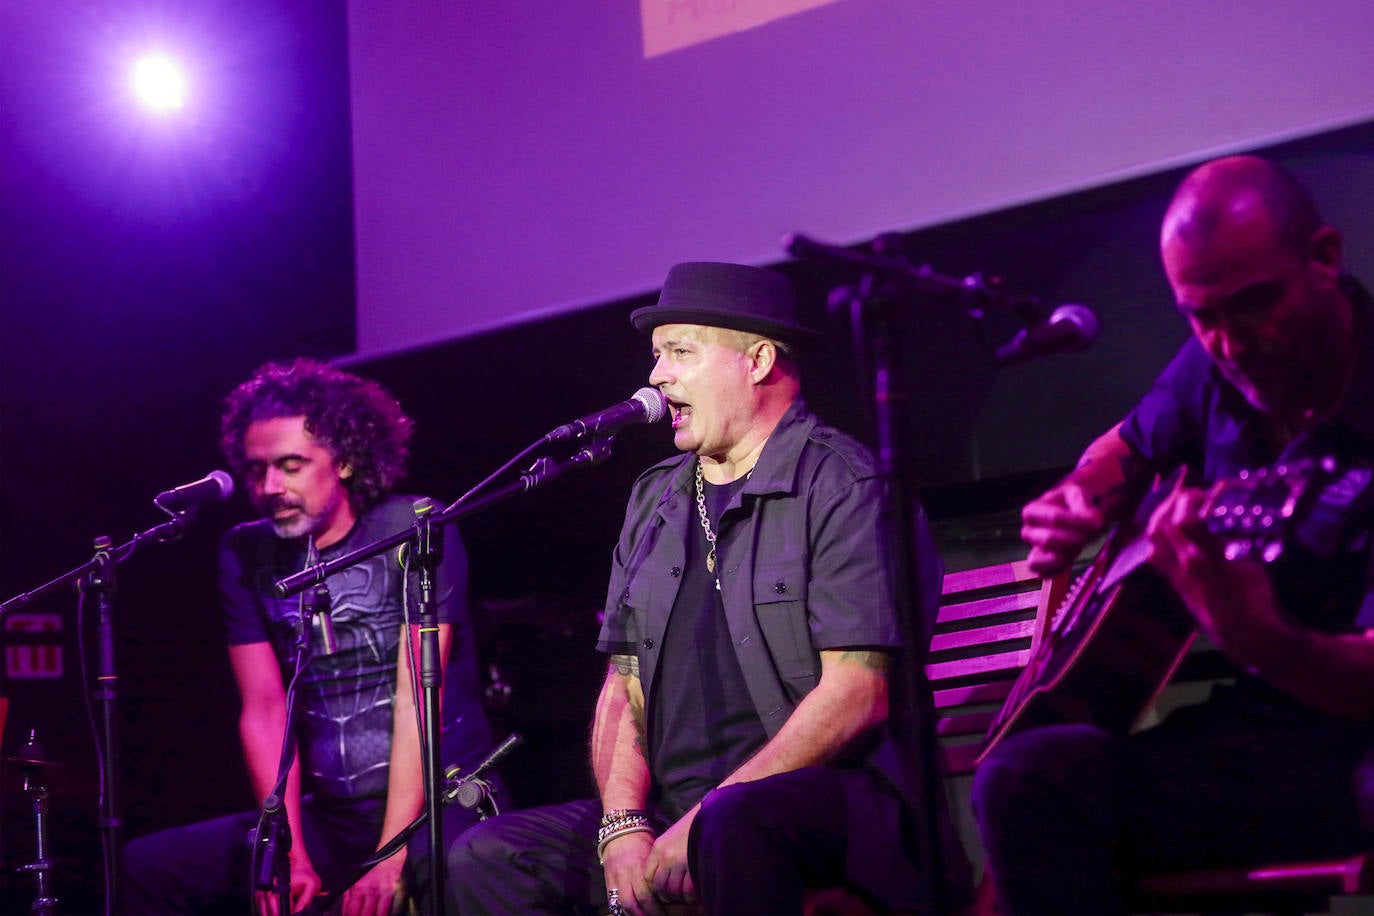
x,y
1224,194
1256,273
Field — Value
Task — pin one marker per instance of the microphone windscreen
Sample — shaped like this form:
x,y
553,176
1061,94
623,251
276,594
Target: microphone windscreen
x,y
655,404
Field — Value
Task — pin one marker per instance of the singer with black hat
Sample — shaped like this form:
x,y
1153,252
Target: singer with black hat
x,y
744,739
319,451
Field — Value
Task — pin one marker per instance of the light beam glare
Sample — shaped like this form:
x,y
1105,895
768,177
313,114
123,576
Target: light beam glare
x,y
159,84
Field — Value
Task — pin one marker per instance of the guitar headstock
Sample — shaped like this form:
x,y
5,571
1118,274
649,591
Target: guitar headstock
x,y
1255,513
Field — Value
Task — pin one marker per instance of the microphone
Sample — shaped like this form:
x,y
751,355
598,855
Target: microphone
x,y
647,405
1069,327
472,791
318,605
212,488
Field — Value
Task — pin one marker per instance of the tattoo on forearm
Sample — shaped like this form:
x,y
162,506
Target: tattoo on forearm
x,y
1133,472
626,665
1132,468
877,661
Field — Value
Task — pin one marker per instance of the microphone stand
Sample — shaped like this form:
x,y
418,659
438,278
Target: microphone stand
x,y
543,471
974,292
427,548
101,580
470,791
876,356
423,538
270,864
98,575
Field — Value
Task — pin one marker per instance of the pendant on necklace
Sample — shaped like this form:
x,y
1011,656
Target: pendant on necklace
x,y
711,560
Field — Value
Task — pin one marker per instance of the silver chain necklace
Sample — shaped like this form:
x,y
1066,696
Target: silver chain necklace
x,y
706,524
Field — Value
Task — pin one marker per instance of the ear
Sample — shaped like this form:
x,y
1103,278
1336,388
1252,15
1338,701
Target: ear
x,y
1324,251
763,356
345,471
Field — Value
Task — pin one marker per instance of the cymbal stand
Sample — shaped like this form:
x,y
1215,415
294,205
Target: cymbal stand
x,y
44,902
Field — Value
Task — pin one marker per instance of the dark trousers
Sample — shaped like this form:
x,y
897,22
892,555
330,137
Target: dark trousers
x,y
754,848
204,867
1066,811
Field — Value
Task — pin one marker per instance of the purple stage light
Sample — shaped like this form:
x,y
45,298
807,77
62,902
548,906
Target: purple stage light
x,y
159,84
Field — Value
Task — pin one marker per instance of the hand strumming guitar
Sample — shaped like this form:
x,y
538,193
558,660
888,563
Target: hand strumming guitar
x,y
1102,489
1232,600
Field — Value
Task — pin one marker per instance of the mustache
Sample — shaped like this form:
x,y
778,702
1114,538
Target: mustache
x,y
277,503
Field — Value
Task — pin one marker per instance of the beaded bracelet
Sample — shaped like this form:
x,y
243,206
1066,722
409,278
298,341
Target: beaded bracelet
x,y
620,814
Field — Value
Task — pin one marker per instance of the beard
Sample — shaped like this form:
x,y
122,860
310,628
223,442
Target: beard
x,y
303,522
296,526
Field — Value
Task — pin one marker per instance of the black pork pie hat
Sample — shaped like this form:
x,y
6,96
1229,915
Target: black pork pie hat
x,y
727,296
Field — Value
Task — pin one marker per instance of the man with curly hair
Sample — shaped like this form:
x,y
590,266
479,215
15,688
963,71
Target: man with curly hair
x,y
319,451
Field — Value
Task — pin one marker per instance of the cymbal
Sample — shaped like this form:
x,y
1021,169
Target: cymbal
x,y
58,778
33,762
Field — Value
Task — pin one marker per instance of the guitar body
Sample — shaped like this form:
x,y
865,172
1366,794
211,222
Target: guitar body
x,y
1113,645
1121,632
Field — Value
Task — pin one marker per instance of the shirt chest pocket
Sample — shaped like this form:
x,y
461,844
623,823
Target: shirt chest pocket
x,y
647,592
779,591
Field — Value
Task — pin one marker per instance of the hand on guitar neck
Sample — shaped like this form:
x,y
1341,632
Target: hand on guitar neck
x,y
1227,591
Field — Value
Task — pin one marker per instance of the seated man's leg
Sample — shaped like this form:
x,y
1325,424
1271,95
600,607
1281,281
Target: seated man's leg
x,y
339,836
540,860
1364,793
757,846
457,821
1211,788
200,868
1062,809
1047,814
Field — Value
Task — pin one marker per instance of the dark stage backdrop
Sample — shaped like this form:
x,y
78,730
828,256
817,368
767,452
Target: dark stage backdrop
x,y
132,299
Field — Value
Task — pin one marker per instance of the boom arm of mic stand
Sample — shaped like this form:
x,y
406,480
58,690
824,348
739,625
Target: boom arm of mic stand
x,y
400,839
167,531
458,786
539,474
974,290
918,277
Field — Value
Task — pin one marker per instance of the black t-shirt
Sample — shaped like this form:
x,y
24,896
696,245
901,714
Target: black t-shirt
x,y
703,724
1194,417
346,698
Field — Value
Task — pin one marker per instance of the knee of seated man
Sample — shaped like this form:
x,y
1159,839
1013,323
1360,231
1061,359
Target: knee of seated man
x,y
474,847
733,811
1022,762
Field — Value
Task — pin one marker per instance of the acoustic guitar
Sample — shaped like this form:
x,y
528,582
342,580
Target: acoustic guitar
x,y
1120,633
